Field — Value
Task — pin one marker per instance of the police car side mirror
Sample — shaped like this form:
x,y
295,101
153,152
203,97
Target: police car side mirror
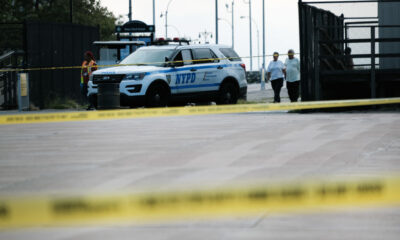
x,y
173,64
168,63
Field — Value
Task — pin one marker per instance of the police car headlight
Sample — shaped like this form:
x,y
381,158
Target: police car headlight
x,y
136,76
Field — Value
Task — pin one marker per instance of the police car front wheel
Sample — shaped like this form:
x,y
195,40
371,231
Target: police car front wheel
x,y
228,94
157,96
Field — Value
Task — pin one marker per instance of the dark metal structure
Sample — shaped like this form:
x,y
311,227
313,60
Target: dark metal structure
x,y
44,45
8,84
57,45
327,72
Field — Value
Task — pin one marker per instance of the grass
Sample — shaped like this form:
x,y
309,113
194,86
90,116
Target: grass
x,y
241,101
63,103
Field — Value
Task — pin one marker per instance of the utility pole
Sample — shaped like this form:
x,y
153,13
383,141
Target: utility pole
x,y
233,22
216,21
166,19
233,26
251,38
263,63
130,10
154,12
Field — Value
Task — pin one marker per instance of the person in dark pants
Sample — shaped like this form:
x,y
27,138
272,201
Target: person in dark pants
x,y
88,67
292,76
275,72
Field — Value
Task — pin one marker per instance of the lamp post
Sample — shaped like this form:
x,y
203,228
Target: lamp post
x,y
166,18
205,34
263,64
258,39
154,12
216,21
251,38
176,29
130,10
233,22
223,19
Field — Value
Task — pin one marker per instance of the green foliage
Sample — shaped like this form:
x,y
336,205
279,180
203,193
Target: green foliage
x,y
62,103
86,12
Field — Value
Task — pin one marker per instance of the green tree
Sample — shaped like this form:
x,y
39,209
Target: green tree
x,y
86,12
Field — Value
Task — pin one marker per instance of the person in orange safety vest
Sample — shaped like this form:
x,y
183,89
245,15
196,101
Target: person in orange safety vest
x,y
88,67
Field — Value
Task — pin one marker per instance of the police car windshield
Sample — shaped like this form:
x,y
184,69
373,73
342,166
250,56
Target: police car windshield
x,y
148,57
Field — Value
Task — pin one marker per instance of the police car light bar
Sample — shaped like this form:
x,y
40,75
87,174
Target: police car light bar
x,y
163,41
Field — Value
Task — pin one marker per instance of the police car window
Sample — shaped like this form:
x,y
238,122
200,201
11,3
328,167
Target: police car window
x,y
185,56
204,55
230,54
148,57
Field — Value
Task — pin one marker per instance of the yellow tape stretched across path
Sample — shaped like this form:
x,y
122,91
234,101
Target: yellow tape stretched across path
x,y
119,65
314,196
184,111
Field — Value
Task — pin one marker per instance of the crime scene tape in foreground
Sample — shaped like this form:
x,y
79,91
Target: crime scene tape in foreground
x,y
300,197
185,111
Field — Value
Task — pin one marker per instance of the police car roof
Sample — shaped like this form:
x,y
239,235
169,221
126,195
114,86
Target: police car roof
x,y
188,46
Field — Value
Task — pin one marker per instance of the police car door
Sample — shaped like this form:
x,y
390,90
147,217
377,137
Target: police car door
x,y
207,69
184,76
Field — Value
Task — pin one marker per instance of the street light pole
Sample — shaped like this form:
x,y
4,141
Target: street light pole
x,y
223,19
263,64
205,34
233,22
154,12
251,38
166,19
258,39
130,10
233,25
216,21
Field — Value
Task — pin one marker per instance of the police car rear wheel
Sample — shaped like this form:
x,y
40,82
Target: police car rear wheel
x,y
227,94
157,96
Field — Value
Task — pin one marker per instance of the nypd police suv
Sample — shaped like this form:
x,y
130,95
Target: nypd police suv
x,y
157,76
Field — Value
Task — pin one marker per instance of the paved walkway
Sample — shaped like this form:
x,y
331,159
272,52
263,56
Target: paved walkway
x,y
185,152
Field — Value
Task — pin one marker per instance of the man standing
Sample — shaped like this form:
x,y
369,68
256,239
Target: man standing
x,y
275,72
88,67
292,76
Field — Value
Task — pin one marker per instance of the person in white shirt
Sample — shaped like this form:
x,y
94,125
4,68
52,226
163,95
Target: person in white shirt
x,y
276,71
292,76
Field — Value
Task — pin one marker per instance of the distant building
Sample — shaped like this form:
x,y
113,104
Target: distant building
x,y
389,14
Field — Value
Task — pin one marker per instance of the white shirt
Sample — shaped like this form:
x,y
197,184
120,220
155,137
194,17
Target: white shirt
x,y
292,69
275,68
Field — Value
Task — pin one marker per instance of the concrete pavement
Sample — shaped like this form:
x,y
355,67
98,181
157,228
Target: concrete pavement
x,y
197,151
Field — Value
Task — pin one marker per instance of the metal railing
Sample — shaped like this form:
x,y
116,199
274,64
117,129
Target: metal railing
x,y
8,79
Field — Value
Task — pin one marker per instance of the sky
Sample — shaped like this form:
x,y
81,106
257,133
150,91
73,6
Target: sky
x,y
187,18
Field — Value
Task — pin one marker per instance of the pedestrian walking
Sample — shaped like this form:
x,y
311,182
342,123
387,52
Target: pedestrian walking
x,y
275,72
88,67
292,76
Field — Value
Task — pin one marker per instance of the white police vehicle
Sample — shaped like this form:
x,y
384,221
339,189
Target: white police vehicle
x,y
157,76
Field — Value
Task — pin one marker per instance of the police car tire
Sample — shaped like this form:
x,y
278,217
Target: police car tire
x,y
157,96
228,94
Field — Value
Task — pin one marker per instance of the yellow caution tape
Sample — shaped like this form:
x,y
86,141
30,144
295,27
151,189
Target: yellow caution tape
x,y
119,65
314,196
184,111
